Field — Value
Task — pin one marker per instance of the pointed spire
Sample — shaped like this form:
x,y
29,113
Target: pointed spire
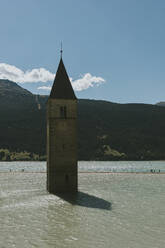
x,y
62,88
61,51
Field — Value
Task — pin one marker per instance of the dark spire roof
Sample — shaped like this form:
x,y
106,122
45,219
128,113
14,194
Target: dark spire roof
x,y
62,88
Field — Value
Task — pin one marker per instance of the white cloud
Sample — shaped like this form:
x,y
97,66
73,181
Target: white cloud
x,y
86,81
13,73
48,88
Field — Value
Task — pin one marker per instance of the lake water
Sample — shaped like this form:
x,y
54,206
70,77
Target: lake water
x,y
92,166
111,210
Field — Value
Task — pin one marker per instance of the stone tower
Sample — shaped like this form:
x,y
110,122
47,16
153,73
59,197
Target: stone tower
x,y
62,135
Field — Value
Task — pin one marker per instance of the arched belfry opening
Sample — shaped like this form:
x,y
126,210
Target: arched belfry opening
x,y
62,135
63,113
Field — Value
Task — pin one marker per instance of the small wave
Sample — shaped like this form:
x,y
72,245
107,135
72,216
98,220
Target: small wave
x,y
37,202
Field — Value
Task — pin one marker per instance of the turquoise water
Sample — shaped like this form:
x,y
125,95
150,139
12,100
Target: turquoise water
x,y
116,210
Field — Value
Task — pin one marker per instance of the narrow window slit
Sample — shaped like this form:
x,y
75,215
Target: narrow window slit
x,y
66,178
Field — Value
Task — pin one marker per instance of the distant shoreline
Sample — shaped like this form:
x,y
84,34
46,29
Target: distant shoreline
x,y
86,172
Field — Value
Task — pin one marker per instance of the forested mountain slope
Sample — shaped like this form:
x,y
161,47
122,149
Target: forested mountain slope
x,y
106,131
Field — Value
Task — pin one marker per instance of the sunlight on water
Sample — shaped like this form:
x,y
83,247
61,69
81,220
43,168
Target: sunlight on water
x,y
110,210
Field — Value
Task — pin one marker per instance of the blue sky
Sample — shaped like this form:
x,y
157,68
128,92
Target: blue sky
x,y
113,49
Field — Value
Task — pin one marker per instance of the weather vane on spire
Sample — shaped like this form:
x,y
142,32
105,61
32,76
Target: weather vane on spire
x,y
61,51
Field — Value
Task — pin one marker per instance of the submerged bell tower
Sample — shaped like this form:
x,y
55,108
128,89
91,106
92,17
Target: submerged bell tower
x,y
62,135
